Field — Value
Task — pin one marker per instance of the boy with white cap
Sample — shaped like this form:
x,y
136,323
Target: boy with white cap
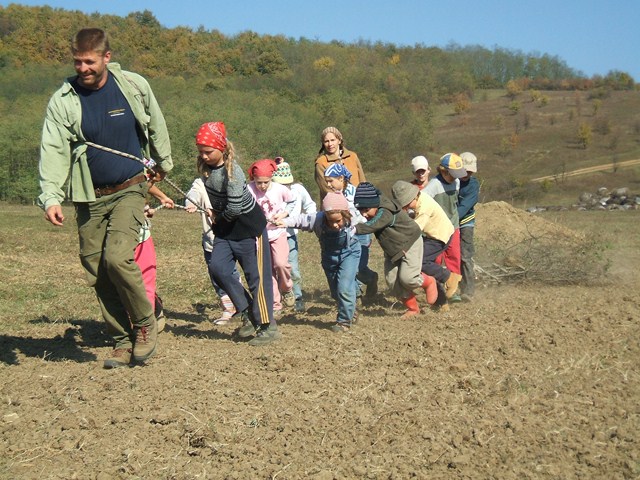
x,y
443,188
467,199
421,170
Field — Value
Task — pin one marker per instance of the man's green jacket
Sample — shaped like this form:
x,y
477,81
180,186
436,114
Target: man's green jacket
x,y
63,149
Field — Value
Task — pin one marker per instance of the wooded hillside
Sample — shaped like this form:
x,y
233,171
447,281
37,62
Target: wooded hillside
x,y
274,93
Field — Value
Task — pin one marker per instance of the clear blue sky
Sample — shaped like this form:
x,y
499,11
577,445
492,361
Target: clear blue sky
x,y
592,36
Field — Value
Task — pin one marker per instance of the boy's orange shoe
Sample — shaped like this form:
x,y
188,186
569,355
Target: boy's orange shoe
x,y
412,307
430,288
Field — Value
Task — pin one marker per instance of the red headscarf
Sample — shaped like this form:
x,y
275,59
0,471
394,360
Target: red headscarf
x,y
262,168
212,134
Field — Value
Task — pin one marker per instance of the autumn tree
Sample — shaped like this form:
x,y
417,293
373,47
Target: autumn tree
x,y
461,103
584,135
513,89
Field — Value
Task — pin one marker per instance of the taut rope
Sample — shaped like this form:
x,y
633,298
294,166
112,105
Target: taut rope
x,y
149,164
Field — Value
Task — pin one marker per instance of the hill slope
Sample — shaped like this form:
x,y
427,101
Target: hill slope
x,y
519,139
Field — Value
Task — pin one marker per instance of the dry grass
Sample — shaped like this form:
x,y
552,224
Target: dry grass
x,y
44,281
513,245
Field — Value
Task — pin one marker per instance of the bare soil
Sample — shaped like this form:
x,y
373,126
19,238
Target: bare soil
x,y
534,379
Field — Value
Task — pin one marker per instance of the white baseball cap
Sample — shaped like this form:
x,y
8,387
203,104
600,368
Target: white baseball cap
x,y
419,163
469,161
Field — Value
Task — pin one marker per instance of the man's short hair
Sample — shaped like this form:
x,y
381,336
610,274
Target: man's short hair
x,y
90,40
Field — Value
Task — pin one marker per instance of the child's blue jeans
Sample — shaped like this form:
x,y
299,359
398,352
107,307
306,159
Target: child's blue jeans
x,y
340,259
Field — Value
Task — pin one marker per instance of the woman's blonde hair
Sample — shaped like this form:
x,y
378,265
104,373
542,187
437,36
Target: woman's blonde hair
x,y
228,157
336,133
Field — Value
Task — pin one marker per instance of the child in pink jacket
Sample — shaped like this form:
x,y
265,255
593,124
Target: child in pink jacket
x,y
273,198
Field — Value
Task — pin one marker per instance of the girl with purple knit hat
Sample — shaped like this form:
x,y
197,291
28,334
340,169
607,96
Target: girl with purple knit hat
x,y
340,253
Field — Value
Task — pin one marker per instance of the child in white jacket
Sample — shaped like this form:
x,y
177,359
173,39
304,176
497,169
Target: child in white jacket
x,y
302,203
197,198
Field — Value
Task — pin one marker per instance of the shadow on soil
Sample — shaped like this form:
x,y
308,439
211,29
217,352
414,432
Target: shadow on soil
x,y
82,334
71,345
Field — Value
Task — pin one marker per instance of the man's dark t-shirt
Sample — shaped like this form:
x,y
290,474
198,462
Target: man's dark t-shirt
x,y
107,120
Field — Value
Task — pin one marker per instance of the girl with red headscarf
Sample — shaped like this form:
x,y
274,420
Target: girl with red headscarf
x,y
239,226
275,200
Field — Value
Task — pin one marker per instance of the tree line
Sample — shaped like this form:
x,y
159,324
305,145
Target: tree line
x,y
275,93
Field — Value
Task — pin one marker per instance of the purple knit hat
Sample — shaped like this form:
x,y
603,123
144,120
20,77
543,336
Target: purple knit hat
x,y
334,201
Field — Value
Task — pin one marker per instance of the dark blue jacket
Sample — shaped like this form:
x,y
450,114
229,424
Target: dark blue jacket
x,y
467,199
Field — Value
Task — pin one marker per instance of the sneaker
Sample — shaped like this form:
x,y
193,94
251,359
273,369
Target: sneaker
x,y
340,328
465,297
146,341
277,314
228,311
246,329
299,305
120,357
355,318
157,306
224,319
455,298
266,335
159,313
288,298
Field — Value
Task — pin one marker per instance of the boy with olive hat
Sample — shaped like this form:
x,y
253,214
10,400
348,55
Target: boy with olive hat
x,y
400,239
434,224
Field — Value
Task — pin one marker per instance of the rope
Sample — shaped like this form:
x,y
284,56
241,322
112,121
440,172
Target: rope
x,y
149,164
159,207
174,206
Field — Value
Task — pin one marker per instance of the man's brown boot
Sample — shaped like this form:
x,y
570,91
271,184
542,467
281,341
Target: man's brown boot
x,y
146,341
120,357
